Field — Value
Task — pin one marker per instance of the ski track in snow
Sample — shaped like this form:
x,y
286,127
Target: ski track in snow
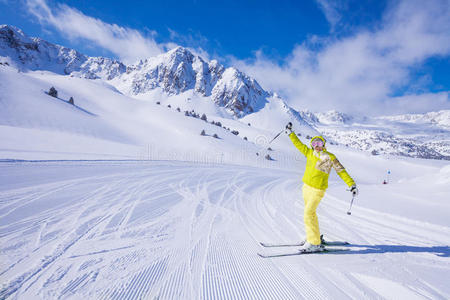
x,y
189,231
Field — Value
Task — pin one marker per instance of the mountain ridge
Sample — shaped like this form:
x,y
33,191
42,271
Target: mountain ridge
x,y
174,72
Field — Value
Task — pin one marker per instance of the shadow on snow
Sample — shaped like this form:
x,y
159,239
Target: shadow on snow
x,y
443,251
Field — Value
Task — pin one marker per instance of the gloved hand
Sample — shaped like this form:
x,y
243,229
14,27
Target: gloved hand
x,y
288,128
354,190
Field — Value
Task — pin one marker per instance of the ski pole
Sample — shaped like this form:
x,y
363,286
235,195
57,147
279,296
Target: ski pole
x,y
276,136
289,126
351,203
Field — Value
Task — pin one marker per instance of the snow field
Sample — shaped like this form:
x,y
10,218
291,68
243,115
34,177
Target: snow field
x,y
132,230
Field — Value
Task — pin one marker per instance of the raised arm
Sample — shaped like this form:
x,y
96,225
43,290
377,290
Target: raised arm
x,y
298,144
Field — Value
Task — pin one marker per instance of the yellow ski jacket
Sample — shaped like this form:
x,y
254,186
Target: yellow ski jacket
x,y
319,164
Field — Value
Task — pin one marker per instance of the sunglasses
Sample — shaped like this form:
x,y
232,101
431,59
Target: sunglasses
x,y
317,143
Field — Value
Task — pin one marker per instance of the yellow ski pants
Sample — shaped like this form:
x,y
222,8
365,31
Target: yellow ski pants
x,y
312,197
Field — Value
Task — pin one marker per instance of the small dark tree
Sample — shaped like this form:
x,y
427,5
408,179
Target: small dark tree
x,y
308,137
186,113
245,138
249,124
71,101
215,135
158,102
204,118
203,133
374,152
235,132
268,157
53,92
219,124
270,149
169,106
178,109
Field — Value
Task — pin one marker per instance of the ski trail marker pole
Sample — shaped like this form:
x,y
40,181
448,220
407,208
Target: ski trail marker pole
x,y
351,203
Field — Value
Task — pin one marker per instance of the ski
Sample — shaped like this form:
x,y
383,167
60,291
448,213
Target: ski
x,y
299,244
300,252
269,245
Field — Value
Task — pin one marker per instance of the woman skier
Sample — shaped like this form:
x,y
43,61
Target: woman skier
x,y
318,166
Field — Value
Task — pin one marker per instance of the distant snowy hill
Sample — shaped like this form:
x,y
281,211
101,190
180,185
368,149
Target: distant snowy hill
x,y
333,117
413,135
438,119
189,84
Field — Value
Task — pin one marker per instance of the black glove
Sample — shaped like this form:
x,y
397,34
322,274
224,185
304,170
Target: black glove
x,y
288,128
354,190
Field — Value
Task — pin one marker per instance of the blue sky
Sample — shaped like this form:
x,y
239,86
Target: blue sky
x,y
224,27
318,54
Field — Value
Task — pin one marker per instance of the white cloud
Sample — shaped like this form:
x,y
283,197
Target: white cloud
x,y
417,103
128,44
360,72
331,10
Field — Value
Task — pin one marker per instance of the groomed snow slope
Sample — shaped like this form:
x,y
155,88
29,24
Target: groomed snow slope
x,y
174,230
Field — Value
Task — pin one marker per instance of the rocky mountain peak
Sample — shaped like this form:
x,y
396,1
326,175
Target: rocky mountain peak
x,y
179,70
239,93
37,54
13,36
179,54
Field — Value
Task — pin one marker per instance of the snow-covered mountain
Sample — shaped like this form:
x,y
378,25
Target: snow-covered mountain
x,y
185,81
333,117
173,72
31,53
179,70
27,53
413,135
438,119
